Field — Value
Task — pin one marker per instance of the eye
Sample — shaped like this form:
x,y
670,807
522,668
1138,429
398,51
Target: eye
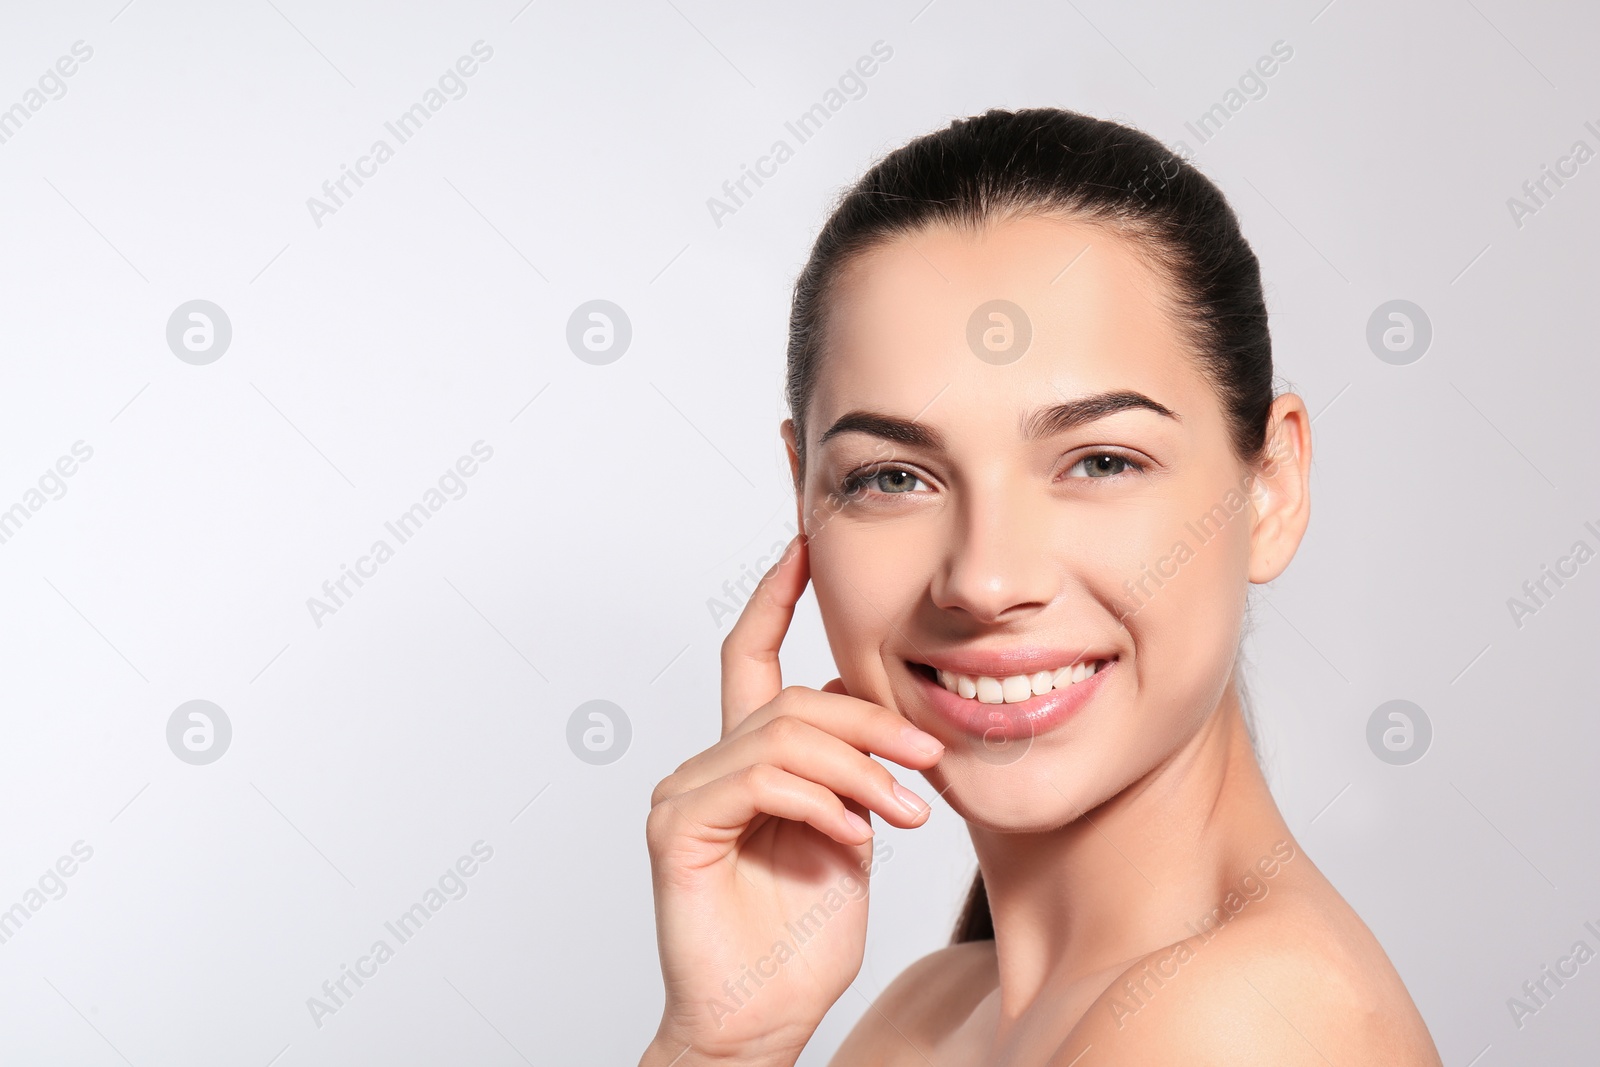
x,y
887,481
1104,465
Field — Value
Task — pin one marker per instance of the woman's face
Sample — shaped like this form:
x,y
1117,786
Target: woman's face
x,y
953,524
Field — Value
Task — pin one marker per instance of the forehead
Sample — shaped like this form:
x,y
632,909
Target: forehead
x,y
899,331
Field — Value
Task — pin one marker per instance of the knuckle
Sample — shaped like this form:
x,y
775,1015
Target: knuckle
x,y
667,788
790,695
656,824
783,730
892,722
760,777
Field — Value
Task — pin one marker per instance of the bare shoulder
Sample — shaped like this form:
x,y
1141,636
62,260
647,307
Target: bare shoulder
x,y
924,1002
1293,979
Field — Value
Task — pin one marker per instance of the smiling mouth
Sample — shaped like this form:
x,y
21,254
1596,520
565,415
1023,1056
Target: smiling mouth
x,y
1013,689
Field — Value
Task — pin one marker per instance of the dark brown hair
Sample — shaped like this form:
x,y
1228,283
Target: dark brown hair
x,y
1048,161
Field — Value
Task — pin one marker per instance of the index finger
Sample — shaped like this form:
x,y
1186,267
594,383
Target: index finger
x,y
751,675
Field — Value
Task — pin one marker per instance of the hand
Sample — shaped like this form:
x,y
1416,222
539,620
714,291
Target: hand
x,y
756,840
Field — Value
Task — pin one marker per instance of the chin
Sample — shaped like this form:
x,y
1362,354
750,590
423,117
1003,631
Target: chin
x,y
1038,791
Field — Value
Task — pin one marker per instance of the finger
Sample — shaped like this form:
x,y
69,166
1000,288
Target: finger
x,y
719,811
835,685
796,746
751,675
861,724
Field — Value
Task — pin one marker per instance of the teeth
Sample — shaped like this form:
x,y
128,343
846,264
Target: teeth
x,y
1018,687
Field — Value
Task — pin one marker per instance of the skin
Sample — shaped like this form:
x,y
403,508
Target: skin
x,y
1105,842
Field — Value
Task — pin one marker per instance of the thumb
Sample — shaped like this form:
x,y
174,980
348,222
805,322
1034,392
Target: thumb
x,y
836,686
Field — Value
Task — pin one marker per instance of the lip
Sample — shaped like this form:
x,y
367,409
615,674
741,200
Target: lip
x,y
1024,719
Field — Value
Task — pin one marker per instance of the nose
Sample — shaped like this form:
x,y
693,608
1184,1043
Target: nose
x,y
1000,564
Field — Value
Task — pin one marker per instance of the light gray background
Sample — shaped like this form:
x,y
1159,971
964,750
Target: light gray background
x,y
430,312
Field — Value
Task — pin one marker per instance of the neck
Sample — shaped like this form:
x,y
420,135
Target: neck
x,y
1139,872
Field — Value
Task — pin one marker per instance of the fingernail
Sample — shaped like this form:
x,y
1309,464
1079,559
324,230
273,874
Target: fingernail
x,y
922,741
861,825
912,803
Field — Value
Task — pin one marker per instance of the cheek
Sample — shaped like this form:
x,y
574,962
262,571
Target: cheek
x,y
859,561
1186,547
866,585
1181,584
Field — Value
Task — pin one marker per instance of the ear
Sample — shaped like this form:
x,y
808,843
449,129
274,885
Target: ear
x,y
788,432
1281,494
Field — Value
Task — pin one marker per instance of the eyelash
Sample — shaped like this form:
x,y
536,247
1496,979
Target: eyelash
x,y
852,484
1138,468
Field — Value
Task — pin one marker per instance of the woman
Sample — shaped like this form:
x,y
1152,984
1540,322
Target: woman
x,y
1038,462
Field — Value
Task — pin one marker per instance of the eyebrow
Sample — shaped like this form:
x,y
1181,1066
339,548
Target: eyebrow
x,y
1042,422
